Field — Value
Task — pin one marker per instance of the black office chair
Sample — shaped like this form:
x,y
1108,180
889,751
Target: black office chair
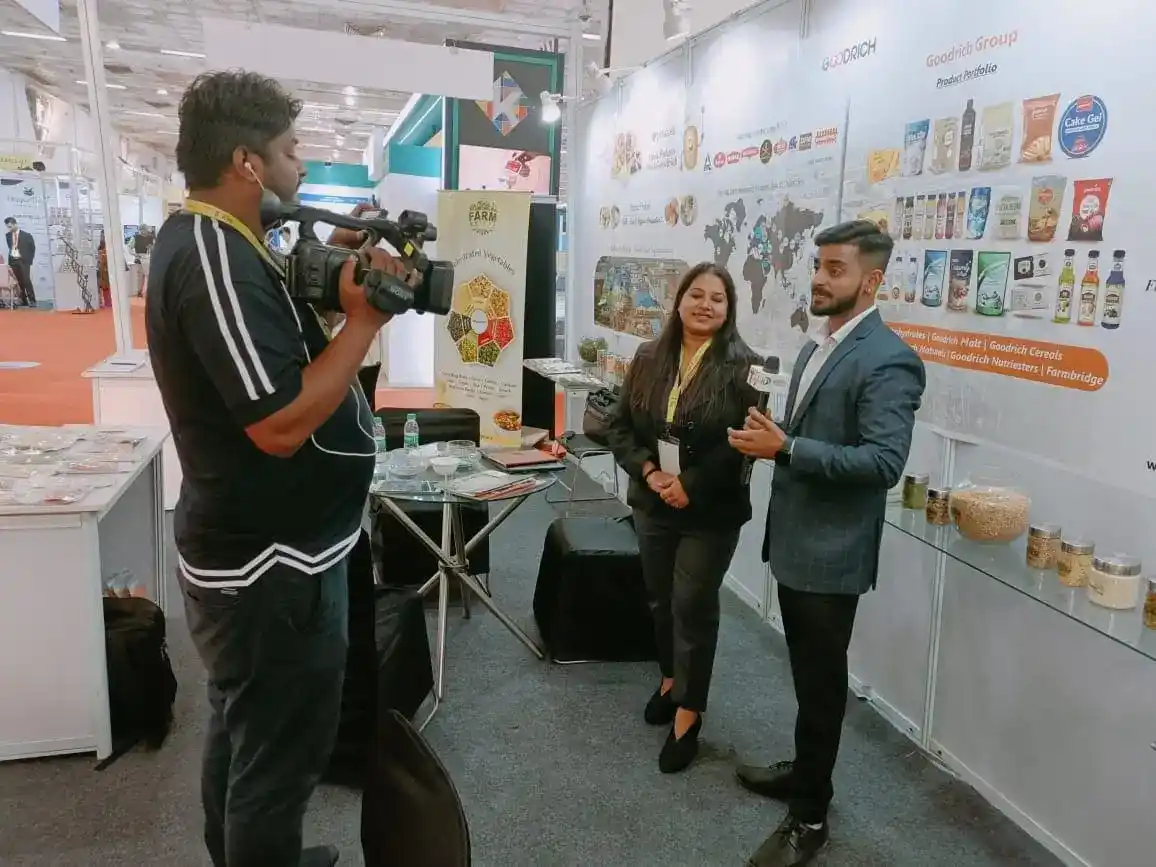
x,y
399,558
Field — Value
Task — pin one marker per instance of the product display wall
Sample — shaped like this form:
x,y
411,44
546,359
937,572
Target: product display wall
x,y
1028,350
1030,407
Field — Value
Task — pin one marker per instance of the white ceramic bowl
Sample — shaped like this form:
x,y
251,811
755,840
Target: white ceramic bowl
x,y
444,466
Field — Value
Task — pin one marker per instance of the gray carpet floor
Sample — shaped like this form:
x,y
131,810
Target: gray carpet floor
x,y
554,764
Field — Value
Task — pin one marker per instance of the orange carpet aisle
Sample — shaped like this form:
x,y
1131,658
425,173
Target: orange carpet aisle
x,y
66,344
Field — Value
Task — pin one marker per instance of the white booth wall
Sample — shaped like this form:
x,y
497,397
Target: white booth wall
x,y
409,356
1042,701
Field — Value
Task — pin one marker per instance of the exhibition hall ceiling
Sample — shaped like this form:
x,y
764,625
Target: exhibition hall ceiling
x,y
145,80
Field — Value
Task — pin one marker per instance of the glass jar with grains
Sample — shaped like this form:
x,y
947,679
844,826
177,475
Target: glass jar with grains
x,y
1043,546
938,512
1150,604
1114,581
915,490
1075,561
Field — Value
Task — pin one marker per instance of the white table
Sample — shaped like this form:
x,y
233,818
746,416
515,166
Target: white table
x,y
125,394
53,676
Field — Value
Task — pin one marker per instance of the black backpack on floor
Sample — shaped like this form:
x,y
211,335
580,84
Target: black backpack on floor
x,y
141,684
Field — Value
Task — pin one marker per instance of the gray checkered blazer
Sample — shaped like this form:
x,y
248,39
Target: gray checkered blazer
x,y
852,435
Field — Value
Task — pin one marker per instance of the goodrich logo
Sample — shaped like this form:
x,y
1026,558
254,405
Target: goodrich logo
x,y
850,54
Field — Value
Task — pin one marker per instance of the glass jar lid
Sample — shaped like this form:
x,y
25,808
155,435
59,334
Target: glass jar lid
x,y
1077,546
938,493
1117,564
916,479
1152,586
1044,531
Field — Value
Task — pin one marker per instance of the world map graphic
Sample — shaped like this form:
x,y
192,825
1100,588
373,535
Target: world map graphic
x,y
774,246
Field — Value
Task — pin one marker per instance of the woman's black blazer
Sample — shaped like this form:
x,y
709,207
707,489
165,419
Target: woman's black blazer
x,y
710,469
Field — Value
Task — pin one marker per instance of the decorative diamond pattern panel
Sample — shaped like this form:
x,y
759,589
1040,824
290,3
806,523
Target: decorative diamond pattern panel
x,y
509,107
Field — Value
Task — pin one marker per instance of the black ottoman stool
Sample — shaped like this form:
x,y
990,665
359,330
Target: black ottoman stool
x,y
590,600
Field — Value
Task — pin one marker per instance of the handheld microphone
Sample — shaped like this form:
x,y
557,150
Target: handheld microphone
x,y
764,380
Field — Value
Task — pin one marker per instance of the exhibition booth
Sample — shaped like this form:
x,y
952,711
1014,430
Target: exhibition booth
x,y
1012,635
1016,209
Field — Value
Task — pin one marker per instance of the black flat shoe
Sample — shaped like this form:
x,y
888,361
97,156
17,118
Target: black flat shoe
x,y
678,753
777,781
660,709
792,845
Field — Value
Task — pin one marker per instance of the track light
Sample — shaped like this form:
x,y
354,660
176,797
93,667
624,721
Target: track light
x,y
551,110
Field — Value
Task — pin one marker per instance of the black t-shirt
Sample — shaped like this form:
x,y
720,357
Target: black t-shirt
x,y
228,347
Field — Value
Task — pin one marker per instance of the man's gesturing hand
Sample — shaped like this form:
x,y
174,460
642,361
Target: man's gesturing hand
x,y
759,438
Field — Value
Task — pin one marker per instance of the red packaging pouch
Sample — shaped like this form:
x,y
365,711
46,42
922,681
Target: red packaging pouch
x,y
1089,209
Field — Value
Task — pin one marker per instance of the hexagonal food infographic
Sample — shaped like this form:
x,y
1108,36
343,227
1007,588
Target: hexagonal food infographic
x,y
479,322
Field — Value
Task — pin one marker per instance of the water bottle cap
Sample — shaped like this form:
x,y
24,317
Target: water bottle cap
x,y
411,416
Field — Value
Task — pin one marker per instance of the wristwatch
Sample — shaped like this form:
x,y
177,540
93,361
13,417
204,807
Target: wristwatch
x,y
784,455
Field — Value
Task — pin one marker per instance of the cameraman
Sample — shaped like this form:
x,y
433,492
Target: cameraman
x,y
275,441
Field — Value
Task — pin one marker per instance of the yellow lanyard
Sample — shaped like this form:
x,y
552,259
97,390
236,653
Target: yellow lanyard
x,y
682,379
215,213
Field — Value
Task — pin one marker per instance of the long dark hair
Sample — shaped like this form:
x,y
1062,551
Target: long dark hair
x,y
652,381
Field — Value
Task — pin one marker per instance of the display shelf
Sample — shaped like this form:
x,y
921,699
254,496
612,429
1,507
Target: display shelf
x,y
1007,565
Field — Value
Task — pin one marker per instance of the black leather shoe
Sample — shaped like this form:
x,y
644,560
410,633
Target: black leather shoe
x,y
320,856
678,753
776,782
792,845
660,709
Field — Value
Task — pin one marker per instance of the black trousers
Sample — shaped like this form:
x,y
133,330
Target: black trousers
x,y
275,652
684,569
23,274
818,629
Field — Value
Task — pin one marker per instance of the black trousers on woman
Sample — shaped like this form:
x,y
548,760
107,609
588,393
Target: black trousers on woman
x,y
684,567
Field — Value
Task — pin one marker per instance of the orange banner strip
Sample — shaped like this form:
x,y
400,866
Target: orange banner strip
x,y
1076,367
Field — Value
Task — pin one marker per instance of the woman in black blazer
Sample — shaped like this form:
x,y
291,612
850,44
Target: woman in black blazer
x,y
669,434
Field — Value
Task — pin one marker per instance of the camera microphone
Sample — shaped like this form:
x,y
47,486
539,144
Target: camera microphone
x,y
767,381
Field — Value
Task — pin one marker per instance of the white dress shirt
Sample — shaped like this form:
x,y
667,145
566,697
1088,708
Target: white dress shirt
x,y
826,344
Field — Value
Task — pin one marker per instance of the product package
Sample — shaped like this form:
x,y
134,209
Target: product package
x,y
977,210
1024,268
995,145
991,282
944,145
1044,208
959,288
1029,301
1089,209
882,164
1039,120
914,147
1009,209
934,266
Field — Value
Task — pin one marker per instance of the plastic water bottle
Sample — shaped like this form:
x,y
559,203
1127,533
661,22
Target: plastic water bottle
x,y
381,448
410,432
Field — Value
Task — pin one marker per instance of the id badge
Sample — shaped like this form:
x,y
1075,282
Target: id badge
x,y
668,456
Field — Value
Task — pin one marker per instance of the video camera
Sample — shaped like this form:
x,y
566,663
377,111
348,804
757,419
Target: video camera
x,y
315,268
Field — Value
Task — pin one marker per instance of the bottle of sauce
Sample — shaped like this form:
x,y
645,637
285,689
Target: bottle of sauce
x,y
912,277
1066,288
1114,292
929,222
1089,290
949,227
897,221
960,212
917,220
967,137
908,215
941,215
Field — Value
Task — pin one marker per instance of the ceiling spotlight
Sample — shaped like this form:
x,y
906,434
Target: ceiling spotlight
x,y
551,110
351,101
675,20
340,140
350,91
162,92
113,45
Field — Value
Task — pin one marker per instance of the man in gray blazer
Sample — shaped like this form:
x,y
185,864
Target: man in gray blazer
x,y
850,412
